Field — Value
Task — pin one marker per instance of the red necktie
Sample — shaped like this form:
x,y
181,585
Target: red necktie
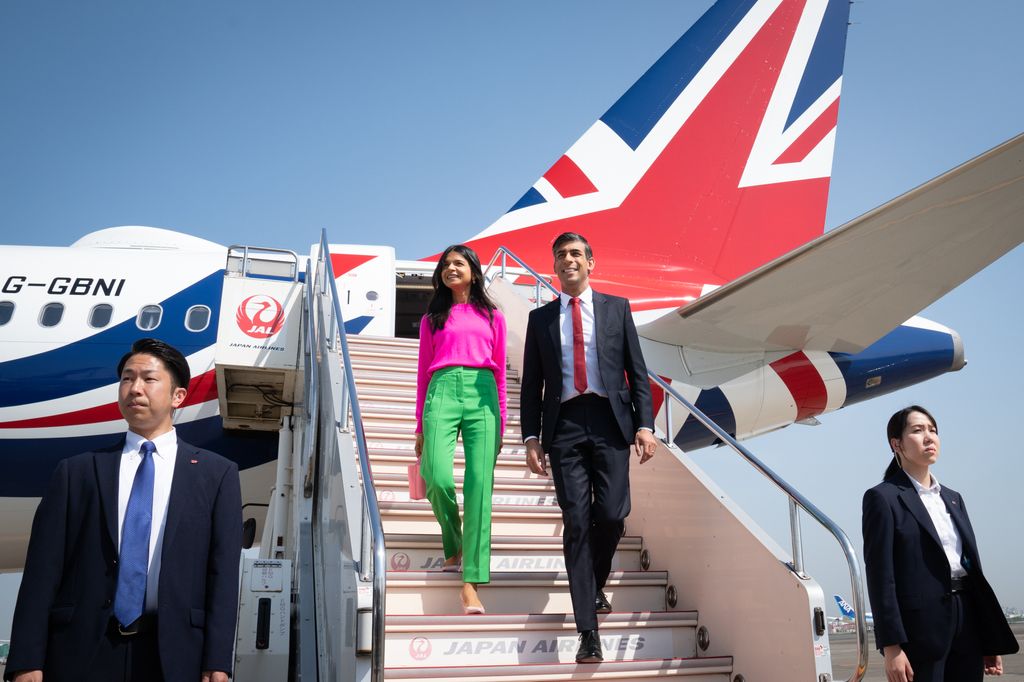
x,y
579,355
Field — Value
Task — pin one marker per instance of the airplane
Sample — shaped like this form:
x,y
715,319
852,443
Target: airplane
x,y
703,192
848,612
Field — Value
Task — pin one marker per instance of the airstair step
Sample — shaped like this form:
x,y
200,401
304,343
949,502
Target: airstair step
x,y
534,639
412,540
398,463
367,341
508,553
406,441
404,380
405,413
372,429
717,669
437,592
399,492
417,517
503,486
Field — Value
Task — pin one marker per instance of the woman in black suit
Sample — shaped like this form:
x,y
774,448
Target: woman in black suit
x,y
936,617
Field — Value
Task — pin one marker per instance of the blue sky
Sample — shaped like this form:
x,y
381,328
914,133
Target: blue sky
x,y
420,123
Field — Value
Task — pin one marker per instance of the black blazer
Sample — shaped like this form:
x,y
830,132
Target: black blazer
x,y
620,361
908,573
67,592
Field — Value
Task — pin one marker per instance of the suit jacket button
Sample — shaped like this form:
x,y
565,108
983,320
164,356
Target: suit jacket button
x,y
108,603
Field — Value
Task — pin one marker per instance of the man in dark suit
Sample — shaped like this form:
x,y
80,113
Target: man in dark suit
x,y
585,399
132,566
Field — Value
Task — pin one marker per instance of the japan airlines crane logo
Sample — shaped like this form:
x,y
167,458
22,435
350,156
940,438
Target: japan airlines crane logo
x,y
420,648
260,316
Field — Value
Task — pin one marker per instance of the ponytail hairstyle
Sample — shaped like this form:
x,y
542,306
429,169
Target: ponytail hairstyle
x,y
441,302
894,431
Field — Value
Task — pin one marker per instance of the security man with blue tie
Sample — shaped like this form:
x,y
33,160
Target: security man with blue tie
x,y
132,566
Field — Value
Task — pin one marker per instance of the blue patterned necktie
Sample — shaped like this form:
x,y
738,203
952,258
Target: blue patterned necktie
x,y
138,521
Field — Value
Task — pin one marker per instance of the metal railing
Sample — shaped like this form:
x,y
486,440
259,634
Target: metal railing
x,y
371,564
250,255
796,499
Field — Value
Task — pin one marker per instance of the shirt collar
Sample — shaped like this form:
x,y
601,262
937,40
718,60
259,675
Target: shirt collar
x,y
933,488
164,442
586,297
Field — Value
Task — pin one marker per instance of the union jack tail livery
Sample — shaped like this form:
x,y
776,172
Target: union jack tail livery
x,y
715,162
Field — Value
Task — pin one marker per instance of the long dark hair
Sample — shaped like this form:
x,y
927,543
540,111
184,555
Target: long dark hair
x,y
894,429
441,302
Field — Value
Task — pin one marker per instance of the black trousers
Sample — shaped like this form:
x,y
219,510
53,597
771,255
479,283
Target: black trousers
x,y
120,658
590,467
963,661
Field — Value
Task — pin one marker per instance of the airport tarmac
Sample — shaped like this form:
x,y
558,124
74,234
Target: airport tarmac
x,y
844,653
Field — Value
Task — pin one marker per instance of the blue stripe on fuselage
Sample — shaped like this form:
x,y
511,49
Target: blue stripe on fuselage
x,y
92,362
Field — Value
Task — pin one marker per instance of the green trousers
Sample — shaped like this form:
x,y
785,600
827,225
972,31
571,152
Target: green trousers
x,y
462,399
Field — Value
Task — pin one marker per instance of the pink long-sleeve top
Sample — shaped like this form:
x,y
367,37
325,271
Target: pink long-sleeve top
x,y
469,339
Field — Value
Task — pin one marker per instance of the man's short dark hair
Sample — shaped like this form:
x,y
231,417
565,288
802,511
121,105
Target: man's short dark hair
x,y
172,358
567,237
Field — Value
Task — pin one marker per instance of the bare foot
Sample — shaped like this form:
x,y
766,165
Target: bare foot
x,y
452,563
470,600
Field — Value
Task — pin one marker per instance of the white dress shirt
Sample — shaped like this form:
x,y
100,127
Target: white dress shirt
x,y
594,383
163,471
943,522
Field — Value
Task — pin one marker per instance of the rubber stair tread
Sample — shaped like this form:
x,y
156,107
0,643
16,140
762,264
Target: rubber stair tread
x,y
535,621
533,671
628,542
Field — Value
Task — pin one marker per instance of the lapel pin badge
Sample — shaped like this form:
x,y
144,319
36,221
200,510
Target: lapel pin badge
x,y
193,461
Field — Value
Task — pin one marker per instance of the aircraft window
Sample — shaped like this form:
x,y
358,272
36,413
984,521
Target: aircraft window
x,y
51,314
149,317
6,311
100,315
197,318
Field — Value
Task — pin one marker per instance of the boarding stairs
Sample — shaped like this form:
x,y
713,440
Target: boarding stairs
x,y
698,590
528,632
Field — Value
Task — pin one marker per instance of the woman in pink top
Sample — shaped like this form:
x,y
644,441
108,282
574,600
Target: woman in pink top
x,y
460,387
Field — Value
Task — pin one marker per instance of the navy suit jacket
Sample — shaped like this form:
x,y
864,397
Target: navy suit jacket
x,y
620,361
908,574
67,592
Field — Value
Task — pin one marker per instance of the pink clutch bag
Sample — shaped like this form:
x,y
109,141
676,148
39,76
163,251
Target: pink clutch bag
x,y
417,486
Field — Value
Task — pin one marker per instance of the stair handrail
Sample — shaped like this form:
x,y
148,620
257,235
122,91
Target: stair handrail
x,y
372,554
796,499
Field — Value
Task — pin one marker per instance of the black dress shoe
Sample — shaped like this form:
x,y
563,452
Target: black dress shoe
x,y
590,648
601,603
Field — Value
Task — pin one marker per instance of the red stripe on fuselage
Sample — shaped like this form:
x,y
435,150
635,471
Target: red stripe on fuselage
x,y
804,382
200,390
811,137
566,177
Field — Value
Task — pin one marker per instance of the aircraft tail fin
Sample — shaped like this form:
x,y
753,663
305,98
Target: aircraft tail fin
x,y
714,162
844,607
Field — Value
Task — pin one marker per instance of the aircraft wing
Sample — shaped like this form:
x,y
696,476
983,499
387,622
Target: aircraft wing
x,y
851,286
